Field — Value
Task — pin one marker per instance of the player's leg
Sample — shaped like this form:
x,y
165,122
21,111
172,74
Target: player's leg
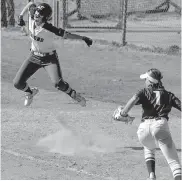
x,y
148,143
163,136
149,155
55,74
20,81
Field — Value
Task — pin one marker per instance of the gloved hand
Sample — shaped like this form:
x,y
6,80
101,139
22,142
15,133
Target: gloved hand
x,y
21,22
87,40
119,116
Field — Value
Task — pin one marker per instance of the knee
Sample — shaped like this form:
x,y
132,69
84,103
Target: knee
x,y
17,84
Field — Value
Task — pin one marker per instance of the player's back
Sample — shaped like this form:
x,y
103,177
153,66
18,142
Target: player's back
x,y
157,103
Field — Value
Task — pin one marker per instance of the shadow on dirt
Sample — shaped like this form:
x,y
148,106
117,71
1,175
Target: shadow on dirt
x,y
141,148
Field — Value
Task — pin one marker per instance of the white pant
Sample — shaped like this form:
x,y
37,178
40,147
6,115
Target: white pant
x,y
153,132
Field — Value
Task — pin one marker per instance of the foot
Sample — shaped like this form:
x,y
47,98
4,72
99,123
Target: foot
x,y
79,99
29,96
152,176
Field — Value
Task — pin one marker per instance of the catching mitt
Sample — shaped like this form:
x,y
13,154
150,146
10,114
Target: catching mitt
x,y
119,116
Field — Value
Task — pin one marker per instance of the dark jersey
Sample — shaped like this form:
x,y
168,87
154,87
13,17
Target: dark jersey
x,y
157,103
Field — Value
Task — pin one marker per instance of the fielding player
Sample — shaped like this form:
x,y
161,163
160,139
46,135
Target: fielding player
x,y
43,53
157,104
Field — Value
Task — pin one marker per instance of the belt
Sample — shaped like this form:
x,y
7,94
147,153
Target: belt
x,y
43,54
156,119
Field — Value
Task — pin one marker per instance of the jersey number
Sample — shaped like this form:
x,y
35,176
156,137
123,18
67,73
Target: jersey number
x,y
158,97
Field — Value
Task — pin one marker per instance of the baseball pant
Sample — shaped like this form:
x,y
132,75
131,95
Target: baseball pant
x,y
154,132
32,64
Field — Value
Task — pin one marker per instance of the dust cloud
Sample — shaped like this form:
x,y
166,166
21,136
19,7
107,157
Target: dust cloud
x,y
69,142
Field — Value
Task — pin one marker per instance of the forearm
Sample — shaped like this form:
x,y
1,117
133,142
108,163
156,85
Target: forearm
x,y
25,9
72,36
177,104
130,104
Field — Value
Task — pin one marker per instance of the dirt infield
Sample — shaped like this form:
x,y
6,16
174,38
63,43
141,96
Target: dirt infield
x,y
56,139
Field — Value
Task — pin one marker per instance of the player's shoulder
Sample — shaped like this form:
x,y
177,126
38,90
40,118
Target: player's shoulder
x,y
141,92
167,92
170,94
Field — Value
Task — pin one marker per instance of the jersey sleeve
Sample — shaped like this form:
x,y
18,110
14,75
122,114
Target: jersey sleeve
x,y
53,29
140,94
176,103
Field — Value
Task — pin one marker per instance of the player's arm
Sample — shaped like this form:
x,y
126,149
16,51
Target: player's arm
x,y
176,103
129,105
25,9
65,34
121,113
21,22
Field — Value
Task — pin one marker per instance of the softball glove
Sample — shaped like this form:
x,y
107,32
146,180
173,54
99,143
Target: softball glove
x,y
119,116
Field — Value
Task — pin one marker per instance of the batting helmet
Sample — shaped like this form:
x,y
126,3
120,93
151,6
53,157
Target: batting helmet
x,y
45,10
154,75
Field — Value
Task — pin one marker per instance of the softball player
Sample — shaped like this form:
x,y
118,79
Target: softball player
x,y
156,104
43,53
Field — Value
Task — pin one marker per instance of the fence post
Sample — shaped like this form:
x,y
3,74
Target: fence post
x,y
65,18
125,5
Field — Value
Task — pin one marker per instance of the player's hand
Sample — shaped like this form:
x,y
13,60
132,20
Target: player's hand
x,y
87,40
21,22
118,115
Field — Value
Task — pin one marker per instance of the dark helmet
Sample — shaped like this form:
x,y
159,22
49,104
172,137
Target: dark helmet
x,y
45,10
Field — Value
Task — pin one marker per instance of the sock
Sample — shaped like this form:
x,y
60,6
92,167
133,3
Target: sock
x,y
176,169
71,93
177,177
150,160
151,166
29,90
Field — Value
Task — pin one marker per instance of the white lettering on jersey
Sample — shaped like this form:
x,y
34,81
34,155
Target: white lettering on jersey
x,y
42,39
158,96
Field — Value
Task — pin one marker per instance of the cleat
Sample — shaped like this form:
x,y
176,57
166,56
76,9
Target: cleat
x,y
152,176
29,96
79,99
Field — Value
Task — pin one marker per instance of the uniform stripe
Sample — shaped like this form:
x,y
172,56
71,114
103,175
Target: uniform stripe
x,y
26,87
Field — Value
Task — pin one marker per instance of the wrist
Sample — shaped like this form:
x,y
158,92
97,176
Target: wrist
x,y
124,114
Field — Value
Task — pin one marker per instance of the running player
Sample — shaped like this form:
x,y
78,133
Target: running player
x,y
43,53
156,104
